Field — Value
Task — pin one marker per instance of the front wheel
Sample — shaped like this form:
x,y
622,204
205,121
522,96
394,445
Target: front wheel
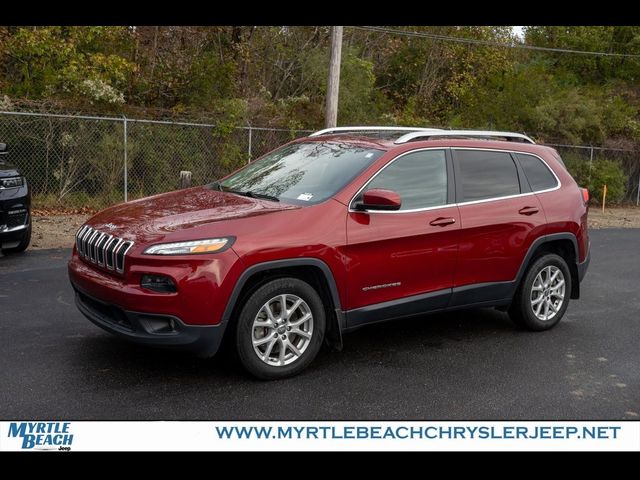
x,y
543,295
280,329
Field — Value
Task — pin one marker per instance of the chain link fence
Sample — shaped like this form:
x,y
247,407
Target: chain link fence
x,y
79,161
593,166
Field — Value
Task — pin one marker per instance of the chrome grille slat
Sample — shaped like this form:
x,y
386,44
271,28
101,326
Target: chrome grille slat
x,y
84,234
96,246
122,251
102,249
113,254
78,238
116,252
108,259
91,243
85,237
87,253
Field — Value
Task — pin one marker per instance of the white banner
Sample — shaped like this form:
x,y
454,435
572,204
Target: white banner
x,y
319,436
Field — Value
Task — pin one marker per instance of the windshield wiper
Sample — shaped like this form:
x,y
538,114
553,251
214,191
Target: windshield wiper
x,y
252,194
247,193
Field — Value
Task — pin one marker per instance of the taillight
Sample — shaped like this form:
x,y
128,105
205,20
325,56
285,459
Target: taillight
x,y
585,195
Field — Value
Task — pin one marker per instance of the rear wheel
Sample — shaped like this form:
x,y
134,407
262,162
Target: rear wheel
x,y
24,243
280,329
543,295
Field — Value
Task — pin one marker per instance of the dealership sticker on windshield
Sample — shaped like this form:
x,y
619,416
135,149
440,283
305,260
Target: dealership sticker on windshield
x,y
305,196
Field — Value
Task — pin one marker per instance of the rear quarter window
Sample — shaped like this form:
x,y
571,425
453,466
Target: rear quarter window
x,y
538,174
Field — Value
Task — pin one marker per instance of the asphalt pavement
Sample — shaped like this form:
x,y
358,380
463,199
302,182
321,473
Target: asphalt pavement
x,y
55,364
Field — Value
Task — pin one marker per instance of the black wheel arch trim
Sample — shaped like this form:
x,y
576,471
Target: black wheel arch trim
x,y
334,335
552,237
573,266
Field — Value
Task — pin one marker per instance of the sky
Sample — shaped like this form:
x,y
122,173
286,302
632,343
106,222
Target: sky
x,y
518,31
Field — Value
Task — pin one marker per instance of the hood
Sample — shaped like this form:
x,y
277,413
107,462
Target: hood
x,y
152,218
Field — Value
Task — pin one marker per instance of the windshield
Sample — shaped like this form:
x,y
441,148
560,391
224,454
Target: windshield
x,y
302,173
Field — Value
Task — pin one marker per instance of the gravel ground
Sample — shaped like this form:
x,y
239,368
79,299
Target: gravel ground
x,y
58,231
55,231
628,217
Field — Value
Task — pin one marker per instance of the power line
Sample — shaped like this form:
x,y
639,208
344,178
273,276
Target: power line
x,y
473,41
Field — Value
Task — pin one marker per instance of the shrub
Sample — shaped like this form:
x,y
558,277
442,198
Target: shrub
x,y
595,175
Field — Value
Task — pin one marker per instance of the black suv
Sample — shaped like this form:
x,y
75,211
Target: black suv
x,y
15,202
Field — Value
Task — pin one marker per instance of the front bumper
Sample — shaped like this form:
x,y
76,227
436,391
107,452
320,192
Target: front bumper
x,y
14,214
150,329
203,282
9,236
190,318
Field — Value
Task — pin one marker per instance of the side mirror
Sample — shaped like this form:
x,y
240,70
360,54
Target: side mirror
x,y
379,199
3,148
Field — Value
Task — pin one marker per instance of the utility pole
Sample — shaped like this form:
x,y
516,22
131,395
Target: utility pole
x,y
333,84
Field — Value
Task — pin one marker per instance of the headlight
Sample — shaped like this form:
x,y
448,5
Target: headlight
x,y
209,245
11,182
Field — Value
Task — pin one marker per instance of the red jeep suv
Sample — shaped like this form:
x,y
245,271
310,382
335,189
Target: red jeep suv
x,y
346,227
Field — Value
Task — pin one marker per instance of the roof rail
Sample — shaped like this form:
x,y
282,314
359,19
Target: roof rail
x,y
509,136
329,131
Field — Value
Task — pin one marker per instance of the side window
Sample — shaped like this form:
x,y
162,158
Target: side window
x,y
537,173
487,174
420,178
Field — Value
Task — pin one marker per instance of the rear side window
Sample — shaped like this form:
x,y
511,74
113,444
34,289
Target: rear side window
x,y
537,173
486,174
420,178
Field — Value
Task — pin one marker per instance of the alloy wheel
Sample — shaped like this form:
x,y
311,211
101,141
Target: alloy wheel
x,y
282,330
547,293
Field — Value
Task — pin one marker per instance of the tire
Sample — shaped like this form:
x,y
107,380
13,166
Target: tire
x,y
537,299
24,243
286,345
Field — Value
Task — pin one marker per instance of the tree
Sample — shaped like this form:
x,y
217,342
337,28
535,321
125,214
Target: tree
x,y
73,63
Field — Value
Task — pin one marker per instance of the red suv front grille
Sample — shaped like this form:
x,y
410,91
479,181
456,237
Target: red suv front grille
x,y
102,249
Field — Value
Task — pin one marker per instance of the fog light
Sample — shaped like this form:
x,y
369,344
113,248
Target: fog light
x,y
158,283
157,324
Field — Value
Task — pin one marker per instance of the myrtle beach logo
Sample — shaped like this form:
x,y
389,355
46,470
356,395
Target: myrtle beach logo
x,y
42,435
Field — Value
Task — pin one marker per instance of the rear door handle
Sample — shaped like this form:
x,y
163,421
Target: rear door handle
x,y
442,221
528,211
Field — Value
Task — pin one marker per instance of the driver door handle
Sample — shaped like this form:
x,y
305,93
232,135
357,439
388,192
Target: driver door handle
x,y
442,221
